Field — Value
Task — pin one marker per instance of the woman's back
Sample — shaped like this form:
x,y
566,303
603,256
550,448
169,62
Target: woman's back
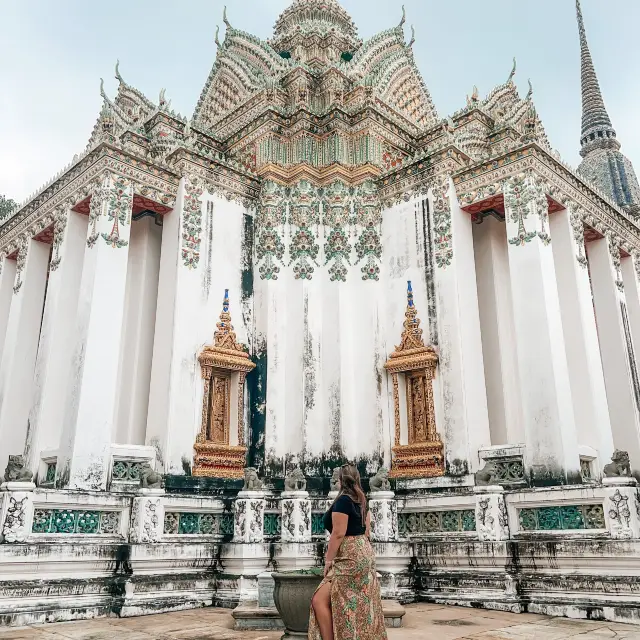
x,y
345,504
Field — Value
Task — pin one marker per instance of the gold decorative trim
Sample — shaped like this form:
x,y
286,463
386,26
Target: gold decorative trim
x,y
423,456
420,460
219,461
214,456
396,408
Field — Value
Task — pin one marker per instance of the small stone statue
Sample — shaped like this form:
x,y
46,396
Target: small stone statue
x,y
380,482
486,476
334,483
295,481
619,466
15,471
251,480
149,479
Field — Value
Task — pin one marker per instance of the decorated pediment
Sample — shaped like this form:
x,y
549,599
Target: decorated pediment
x,y
386,64
135,106
244,66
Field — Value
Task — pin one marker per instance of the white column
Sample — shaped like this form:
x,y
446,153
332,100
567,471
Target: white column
x,y
175,376
88,430
550,433
616,346
460,376
57,336
21,347
138,331
498,332
631,277
580,334
7,280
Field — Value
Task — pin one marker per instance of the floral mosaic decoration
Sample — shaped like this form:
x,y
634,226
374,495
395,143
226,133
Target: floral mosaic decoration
x,y
191,223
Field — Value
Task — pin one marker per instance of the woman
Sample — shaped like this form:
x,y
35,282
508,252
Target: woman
x,y
347,603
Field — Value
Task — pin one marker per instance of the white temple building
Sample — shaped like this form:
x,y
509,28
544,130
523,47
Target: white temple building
x,y
317,267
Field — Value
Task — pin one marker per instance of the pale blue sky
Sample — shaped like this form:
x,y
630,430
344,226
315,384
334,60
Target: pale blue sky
x,y
53,53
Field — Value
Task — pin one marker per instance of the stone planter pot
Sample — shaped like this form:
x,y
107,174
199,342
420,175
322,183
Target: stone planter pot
x,y
292,595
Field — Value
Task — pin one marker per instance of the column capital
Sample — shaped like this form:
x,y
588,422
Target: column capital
x,y
526,209
110,210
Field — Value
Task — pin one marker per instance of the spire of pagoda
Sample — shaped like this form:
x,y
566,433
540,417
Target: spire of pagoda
x,y
604,165
596,124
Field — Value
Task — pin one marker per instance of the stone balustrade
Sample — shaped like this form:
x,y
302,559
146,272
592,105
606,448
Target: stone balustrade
x,y
30,514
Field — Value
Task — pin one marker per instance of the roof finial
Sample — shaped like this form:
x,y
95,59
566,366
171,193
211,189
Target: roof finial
x,y
412,333
475,97
102,91
530,92
413,37
118,76
225,20
225,336
218,36
513,72
404,17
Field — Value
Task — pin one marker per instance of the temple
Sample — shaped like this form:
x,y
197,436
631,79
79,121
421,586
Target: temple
x,y
200,318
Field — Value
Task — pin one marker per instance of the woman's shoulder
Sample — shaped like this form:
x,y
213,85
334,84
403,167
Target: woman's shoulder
x,y
346,504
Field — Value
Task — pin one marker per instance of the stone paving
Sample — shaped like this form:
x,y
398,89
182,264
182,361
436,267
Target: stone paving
x,y
423,621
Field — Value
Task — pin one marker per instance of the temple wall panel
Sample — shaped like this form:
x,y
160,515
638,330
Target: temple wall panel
x,y
194,273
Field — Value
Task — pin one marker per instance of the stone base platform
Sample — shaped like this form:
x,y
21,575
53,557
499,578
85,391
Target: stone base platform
x,y
249,616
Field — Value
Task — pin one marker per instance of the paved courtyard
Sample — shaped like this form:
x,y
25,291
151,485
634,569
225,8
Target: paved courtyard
x,y
422,621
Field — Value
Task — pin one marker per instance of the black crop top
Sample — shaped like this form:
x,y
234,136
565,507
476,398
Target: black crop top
x,y
344,504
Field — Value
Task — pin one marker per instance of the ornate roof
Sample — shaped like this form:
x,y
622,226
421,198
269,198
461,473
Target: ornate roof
x,y
603,165
316,95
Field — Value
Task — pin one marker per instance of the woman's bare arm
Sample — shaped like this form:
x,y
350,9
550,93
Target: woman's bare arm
x,y
368,533
340,522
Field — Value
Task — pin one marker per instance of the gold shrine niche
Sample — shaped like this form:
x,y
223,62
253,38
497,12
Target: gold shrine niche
x,y
220,450
418,450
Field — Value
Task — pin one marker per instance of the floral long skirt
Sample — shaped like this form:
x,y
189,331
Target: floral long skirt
x,y
356,605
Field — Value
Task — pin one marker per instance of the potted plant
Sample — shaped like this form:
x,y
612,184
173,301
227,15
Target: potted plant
x,y
292,594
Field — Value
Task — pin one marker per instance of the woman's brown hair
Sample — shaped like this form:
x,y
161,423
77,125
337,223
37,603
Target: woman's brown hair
x,y
351,486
